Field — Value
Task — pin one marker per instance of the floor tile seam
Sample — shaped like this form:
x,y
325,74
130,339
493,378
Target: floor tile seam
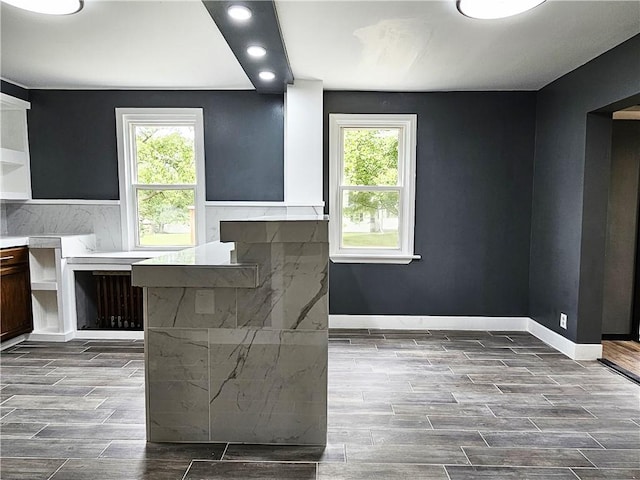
x,y
444,467
483,437
574,473
465,456
430,424
58,469
34,436
186,471
587,459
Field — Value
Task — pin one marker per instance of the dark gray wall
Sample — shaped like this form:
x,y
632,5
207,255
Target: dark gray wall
x,y
72,141
14,90
570,190
473,208
622,216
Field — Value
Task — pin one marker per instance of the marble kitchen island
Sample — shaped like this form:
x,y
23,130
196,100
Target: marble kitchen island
x,y
236,338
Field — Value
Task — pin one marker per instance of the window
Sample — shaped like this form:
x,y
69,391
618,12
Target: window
x,y
372,188
161,168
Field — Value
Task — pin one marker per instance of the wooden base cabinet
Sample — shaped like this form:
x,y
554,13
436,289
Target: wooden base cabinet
x,y
15,289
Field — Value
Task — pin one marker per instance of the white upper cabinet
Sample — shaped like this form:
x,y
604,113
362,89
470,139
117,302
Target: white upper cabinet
x,y
15,173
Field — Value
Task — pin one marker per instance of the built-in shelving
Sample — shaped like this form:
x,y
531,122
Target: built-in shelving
x,y
45,265
51,283
44,286
15,174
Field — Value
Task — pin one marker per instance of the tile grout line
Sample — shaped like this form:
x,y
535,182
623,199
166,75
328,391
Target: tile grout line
x,y
58,469
186,472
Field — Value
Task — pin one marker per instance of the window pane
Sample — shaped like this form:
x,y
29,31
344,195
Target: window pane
x,y
166,217
370,156
165,155
370,219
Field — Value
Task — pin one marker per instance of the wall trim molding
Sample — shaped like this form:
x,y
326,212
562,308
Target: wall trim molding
x,y
575,351
57,201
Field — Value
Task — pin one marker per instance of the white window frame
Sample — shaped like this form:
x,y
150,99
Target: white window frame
x,y
407,124
126,119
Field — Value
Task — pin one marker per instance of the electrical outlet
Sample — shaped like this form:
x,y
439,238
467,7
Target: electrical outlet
x,y
205,302
563,320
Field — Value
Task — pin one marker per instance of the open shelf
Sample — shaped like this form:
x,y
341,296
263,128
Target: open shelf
x,y
43,265
50,285
15,177
45,311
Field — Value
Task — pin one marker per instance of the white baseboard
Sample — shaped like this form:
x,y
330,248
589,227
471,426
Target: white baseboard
x,y
575,351
109,335
50,337
84,335
14,341
416,322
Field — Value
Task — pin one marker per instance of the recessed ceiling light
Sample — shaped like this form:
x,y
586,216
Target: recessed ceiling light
x,y
239,12
50,7
490,9
256,51
266,75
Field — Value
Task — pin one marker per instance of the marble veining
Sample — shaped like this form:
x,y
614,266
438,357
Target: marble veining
x,y
244,363
3,220
179,308
215,214
33,219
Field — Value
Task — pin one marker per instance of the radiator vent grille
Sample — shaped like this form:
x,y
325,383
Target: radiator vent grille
x,y
119,304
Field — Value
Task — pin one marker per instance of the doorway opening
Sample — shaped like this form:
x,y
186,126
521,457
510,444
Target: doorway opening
x,y
621,299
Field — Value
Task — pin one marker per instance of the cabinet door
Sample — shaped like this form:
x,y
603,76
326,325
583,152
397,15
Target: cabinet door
x,y
16,301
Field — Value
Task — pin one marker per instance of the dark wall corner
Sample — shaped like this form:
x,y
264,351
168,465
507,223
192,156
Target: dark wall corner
x,y
14,90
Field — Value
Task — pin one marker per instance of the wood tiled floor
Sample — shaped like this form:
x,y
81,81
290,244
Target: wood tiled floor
x,y
626,354
415,405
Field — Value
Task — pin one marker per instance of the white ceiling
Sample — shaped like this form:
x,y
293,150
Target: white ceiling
x,y
429,45
119,44
359,45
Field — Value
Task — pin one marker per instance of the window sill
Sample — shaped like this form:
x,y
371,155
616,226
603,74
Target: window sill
x,y
370,258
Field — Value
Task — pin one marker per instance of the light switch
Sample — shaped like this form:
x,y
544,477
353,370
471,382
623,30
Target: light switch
x,y
205,301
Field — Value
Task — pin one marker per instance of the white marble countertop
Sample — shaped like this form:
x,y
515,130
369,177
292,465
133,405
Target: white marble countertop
x,y
116,257
206,265
276,229
70,244
8,242
213,253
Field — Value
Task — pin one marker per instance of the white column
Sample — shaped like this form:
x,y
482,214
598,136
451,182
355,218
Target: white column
x,y
303,147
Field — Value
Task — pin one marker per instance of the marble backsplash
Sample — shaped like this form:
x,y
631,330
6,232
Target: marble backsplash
x,y
25,218
3,220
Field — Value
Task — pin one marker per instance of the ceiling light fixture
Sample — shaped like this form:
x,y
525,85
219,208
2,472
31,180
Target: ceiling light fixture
x,y
239,12
50,7
256,51
491,9
266,75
